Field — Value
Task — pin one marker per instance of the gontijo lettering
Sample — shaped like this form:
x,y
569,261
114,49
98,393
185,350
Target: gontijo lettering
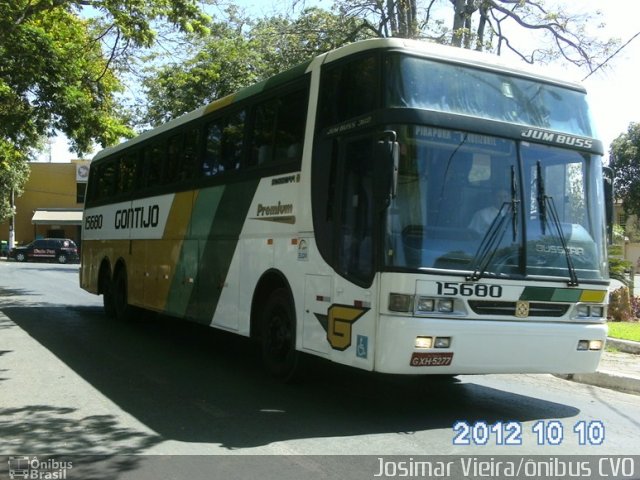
x,y
138,217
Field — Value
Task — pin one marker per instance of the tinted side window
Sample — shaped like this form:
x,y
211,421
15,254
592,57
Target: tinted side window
x,y
233,140
126,173
153,160
212,160
191,153
292,119
224,144
173,160
348,90
264,124
107,178
278,129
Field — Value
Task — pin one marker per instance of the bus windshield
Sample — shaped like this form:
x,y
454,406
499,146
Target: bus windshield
x,y
466,202
414,82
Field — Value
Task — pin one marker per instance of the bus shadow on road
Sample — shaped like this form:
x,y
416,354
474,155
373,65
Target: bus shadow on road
x,y
191,383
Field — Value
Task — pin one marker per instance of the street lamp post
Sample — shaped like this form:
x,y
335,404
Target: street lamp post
x,y
12,222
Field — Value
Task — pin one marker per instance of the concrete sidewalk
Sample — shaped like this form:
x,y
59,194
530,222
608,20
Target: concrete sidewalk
x,y
619,370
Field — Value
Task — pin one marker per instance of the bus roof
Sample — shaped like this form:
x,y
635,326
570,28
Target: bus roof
x,y
429,50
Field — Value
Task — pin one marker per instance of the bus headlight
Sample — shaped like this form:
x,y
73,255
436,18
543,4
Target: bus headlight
x,y
594,311
584,311
445,305
425,304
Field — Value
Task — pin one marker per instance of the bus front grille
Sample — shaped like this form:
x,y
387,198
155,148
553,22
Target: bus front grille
x,y
482,307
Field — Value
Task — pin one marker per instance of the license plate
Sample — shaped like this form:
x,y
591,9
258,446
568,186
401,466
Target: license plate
x,y
431,359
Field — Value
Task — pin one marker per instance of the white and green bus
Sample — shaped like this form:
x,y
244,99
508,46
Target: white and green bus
x,y
392,205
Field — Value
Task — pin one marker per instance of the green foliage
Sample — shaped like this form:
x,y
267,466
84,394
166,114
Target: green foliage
x,y
58,72
618,268
239,53
14,172
624,159
224,63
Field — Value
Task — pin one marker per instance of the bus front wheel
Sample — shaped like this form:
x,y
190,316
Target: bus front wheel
x,y
278,337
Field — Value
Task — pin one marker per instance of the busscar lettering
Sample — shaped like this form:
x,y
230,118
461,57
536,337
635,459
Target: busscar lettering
x,y
559,249
137,217
285,180
568,140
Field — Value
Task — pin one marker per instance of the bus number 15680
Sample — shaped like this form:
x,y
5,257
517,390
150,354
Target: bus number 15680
x,y
469,289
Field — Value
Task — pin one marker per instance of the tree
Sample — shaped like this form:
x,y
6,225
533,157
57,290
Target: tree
x,y
624,159
224,62
14,172
488,25
59,71
240,52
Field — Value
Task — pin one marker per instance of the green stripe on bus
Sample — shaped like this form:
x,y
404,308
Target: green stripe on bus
x,y
184,281
540,294
549,294
218,247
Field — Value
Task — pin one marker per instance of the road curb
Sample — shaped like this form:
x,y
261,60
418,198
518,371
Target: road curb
x,y
607,380
625,346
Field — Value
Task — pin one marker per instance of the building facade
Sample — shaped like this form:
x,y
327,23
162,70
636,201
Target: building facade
x,y
52,202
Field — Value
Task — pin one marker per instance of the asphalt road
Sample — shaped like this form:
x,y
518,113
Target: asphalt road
x,y
73,382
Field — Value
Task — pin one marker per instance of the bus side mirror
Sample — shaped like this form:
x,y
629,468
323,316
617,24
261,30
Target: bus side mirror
x,y
388,158
607,176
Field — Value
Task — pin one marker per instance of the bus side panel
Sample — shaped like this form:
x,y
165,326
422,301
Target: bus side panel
x,y
163,254
217,219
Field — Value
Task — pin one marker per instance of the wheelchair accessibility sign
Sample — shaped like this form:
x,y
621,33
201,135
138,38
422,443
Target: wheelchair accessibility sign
x,y
362,346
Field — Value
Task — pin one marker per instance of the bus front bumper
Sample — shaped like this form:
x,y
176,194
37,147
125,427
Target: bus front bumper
x,y
481,346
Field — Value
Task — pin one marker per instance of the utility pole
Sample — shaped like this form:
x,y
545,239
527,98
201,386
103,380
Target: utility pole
x,y
12,222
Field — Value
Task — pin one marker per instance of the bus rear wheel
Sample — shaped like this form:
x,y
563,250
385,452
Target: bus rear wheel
x,y
121,306
278,338
108,300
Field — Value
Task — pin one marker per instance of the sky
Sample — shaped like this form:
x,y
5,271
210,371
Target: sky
x,y
613,91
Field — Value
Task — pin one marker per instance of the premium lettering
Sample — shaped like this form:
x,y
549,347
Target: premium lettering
x,y
279,209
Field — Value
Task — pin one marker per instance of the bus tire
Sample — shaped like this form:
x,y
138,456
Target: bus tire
x,y
122,309
278,338
108,301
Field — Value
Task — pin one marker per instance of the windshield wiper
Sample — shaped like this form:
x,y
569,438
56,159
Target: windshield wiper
x,y
488,247
546,202
542,204
492,239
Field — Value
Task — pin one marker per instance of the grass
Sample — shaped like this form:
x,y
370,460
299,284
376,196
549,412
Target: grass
x,y
625,330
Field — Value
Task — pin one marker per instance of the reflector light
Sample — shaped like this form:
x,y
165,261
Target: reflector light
x,y
399,302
